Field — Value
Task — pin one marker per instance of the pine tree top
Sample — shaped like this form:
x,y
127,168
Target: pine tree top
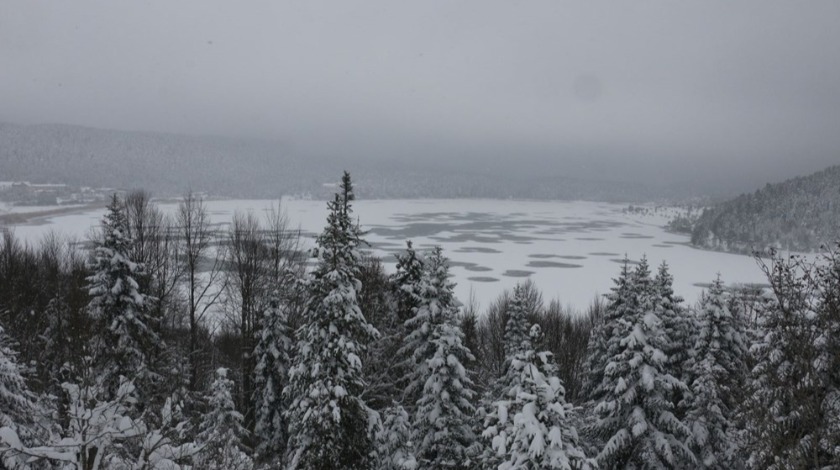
x,y
517,327
665,281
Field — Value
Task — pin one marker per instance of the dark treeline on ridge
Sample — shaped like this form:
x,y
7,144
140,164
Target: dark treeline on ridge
x,y
800,214
82,156
168,345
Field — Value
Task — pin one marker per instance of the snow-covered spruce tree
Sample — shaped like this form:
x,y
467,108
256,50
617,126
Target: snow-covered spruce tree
x,y
394,449
679,327
793,411
382,370
827,280
17,404
530,426
99,432
330,426
516,341
406,282
271,355
221,432
496,400
406,277
166,446
620,302
717,366
16,401
124,336
517,327
677,321
442,428
634,414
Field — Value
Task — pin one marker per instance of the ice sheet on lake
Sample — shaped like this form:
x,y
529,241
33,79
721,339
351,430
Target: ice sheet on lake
x,y
505,239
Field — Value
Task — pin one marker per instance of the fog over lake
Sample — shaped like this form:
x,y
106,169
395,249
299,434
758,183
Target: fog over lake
x,y
571,250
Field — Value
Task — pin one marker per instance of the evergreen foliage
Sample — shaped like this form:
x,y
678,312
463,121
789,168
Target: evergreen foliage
x,y
221,432
87,381
716,367
530,425
442,432
634,415
330,425
383,370
394,447
600,347
407,275
517,327
272,356
799,214
678,324
125,337
793,415
98,433
17,402
677,321
408,281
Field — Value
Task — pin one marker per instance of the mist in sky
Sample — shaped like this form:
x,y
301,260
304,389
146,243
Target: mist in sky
x,y
711,89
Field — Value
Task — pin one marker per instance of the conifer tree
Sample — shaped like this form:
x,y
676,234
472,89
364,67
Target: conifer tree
x,y
407,276
717,366
516,340
221,432
125,337
795,387
597,355
634,411
442,431
99,431
395,450
17,403
273,346
382,368
529,426
469,327
827,284
517,327
408,281
677,321
330,425
678,324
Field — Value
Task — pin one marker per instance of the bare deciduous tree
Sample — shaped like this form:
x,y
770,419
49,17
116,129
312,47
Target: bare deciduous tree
x,y
249,266
202,270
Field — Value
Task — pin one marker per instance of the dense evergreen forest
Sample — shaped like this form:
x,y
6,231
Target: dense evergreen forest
x,y
800,214
167,345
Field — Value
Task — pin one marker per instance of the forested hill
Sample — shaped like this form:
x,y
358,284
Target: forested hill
x,y
169,164
161,163
799,214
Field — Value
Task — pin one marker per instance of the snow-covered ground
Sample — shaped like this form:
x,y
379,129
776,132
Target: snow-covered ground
x,y
572,250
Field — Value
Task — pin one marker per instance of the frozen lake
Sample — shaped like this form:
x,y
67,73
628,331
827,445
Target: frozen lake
x,y
571,250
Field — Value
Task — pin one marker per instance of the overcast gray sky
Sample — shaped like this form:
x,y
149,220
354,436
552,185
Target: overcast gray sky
x,y
717,81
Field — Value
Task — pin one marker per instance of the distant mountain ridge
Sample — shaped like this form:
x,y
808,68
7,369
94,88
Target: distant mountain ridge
x,y
169,164
162,163
799,214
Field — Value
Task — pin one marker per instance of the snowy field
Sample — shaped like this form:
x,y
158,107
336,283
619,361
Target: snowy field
x,y
571,250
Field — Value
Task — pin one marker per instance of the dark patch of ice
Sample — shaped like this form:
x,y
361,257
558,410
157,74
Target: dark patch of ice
x,y
476,249
517,273
552,264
